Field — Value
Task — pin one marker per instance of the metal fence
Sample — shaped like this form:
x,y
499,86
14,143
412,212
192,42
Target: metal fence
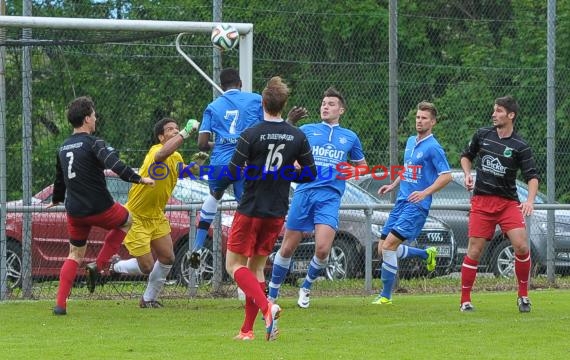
x,y
459,57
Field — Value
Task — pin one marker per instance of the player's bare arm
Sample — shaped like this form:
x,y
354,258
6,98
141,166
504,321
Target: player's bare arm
x,y
466,166
527,207
204,143
384,189
439,183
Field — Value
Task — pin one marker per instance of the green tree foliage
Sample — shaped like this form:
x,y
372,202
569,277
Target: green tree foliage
x,y
459,54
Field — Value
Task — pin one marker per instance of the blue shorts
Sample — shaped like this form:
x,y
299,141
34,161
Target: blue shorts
x,y
407,219
312,207
218,182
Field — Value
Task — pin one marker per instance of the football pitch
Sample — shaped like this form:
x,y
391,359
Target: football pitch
x,y
414,327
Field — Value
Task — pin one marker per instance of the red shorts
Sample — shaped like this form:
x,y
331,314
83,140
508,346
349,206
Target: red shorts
x,y
114,217
488,211
251,236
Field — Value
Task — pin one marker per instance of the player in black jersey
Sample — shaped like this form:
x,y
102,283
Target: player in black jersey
x,y
269,151
80,181
501,152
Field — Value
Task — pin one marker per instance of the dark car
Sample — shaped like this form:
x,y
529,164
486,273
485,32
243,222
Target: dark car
x,y
499,254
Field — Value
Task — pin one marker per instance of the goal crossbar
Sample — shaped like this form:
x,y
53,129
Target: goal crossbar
x,y
245,30
115,24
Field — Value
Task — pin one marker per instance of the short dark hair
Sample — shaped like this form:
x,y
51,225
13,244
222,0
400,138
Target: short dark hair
x,y
427,106
78,109
509,103
159,126
332,92
229,78
275,96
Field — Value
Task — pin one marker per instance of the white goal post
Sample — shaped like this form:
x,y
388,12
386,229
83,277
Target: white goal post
x,y
245,30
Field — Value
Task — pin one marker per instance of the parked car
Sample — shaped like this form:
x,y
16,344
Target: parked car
x,y
499,254
50,241
347,258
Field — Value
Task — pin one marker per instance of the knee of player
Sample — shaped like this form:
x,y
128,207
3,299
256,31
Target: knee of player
x,y
218,195
167,260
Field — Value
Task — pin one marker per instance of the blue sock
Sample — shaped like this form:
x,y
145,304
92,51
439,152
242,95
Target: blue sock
x,y
389,271
278,274
207,215
314,271
405,251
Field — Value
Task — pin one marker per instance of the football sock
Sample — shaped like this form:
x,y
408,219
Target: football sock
x,y
129,266
156,280
389,271
251,311
247,281
522,271
405,251
314,271
111,246
278,274
66,278
468,275
207,214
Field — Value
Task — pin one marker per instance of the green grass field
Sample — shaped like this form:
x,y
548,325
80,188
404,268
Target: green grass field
x,y
415,327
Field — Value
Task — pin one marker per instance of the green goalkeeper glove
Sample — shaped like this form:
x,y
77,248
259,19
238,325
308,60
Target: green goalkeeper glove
x,y
198,159
191,126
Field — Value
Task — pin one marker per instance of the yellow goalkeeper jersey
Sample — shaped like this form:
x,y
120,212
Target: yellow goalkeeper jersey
x,y
150,201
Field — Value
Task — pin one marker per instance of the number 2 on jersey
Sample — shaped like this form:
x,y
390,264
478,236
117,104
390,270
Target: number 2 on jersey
x,y
274,158
70,173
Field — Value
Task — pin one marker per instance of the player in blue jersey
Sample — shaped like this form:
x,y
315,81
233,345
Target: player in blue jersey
x,y
315,205
426,172
225,118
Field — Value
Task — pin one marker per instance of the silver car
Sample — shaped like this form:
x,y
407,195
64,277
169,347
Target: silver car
x,y
499,254
347,258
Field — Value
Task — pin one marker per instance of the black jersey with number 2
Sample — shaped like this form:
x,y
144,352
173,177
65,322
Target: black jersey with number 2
x,y
499,161
80,177
266,154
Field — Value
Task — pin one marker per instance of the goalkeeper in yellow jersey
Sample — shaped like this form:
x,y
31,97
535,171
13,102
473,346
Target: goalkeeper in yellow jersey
x,y
150,230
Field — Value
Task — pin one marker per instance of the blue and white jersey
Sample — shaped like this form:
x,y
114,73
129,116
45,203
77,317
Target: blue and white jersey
x,y
331,145
226,117
429,161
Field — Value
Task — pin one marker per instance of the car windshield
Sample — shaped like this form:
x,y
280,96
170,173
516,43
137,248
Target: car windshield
x,y
354,194
522,190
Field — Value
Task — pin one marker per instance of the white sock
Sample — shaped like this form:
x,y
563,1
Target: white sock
x,y
156,280
129,266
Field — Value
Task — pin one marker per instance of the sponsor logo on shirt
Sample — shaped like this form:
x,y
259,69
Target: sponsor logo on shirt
x,y
493,165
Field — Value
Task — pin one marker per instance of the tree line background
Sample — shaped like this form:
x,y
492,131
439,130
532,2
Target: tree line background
x,y
459,54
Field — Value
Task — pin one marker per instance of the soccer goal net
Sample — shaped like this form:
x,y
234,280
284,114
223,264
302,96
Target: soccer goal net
x,y
135,73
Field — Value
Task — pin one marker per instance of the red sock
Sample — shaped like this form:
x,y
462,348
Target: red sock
x,y
111,246
251,311
522,271
66,277
247,281
468,275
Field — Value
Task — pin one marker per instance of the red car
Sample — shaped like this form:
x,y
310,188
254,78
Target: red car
x,y
50,242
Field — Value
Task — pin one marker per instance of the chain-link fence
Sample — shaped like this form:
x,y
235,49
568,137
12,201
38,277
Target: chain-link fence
x,y
461,56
